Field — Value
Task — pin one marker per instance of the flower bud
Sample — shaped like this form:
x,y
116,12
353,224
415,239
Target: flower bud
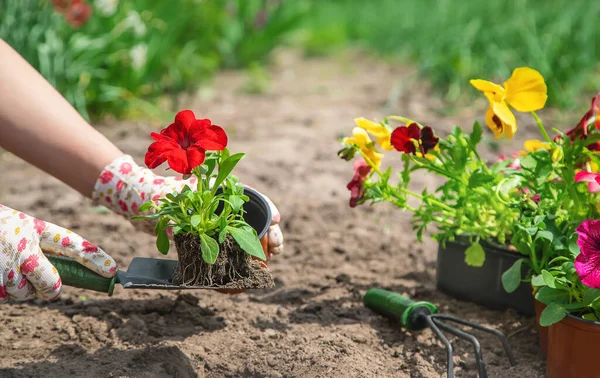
x,y
557,155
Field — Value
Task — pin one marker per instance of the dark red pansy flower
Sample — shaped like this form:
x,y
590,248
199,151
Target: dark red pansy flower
x,y
403,136
428,139
581,130
356,186
183,144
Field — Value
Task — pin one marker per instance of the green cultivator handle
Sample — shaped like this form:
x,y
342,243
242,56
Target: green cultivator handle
x,y
74,274
393,305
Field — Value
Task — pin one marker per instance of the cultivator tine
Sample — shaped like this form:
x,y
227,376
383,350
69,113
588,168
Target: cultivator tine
x,y
440,335
465,336
495,332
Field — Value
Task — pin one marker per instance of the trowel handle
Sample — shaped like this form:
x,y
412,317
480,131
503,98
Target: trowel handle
x,y
74,274
399,307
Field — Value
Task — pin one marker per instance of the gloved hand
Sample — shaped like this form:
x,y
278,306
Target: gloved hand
x,y
25,272
123,186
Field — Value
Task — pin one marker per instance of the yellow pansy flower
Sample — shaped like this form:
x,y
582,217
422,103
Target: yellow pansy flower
x,y
361,139
378,130
525,91
533,145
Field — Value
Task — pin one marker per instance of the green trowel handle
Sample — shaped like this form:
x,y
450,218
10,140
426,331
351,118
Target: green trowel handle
x,y
74,274
399,307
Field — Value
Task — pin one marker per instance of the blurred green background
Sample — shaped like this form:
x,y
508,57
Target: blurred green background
x,y
124,56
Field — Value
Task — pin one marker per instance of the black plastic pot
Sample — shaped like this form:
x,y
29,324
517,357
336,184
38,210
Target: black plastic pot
x,y
258,213
482,285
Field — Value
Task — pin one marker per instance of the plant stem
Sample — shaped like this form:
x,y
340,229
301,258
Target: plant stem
x,y
541,127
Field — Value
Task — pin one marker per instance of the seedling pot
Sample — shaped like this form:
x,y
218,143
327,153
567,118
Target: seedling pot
x,y
573,346
234,271
481,285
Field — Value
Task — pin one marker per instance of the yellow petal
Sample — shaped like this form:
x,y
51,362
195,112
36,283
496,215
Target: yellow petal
x,y
385,143
494,123
378,130
487,86
374,156
507,117
526,90
532,145
593,167
359,138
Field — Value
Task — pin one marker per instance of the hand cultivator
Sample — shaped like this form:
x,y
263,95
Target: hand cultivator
x,y
419,315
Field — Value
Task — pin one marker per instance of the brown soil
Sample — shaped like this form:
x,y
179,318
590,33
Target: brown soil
x,y
313,323
233,269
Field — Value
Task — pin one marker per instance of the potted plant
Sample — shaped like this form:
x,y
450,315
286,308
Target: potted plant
x,y
484,211
217,240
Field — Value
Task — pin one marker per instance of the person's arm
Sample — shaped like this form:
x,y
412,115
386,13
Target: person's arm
x,y
41,127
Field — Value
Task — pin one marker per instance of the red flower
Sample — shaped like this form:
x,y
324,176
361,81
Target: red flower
x,y
593,180
30,264
78,13
581,129
120,185
407,138
66,242
22,244
125,168
3,292
184,143
11,274
123,205
356,186
89,247
106,176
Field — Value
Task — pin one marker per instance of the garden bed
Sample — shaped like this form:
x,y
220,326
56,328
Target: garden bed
x,y
313,323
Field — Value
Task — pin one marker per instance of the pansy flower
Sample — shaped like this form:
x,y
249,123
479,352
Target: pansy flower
x,y
360,138
379,131
356,185
412,139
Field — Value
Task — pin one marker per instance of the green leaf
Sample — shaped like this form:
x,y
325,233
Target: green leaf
x,y
162,242
210,248
554,313
511,279
236,203
528,163
509,184
590,317
223,234
547,295
145,206
248,241
226,167
573,246
476,134
195,221
475,255
538,281
545,235
590,295
479,178
549,279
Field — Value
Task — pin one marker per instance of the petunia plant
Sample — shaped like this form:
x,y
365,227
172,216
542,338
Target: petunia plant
x,y
533,203
210,213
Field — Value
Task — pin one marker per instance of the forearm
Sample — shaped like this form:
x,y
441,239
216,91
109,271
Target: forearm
x,y
41,127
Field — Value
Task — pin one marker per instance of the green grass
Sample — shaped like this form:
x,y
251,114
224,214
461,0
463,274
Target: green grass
x,y
453,41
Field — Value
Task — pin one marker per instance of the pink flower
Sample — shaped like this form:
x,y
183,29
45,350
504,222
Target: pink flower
x,y
11,274
125,168
158,181
536,198
66,242
591,178
120,185
22,244
356,186
123,205
39,225
587,263
3,292
106,176
30,264
89,247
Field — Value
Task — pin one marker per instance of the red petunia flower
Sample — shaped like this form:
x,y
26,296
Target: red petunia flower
x,y
78,13
183,144
587,263
356,186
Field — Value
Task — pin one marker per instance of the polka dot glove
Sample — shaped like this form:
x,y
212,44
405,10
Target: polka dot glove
x,y
123,186
25,272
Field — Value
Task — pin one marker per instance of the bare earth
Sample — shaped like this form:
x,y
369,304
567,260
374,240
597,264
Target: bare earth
x,y
313,324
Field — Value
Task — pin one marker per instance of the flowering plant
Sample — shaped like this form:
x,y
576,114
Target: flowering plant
x,y
533,203
212,212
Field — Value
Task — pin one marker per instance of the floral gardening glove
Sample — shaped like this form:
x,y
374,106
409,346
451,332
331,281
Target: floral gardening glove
x,y
123,186
25,272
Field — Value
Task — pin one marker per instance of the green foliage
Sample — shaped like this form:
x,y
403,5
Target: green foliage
x,y
125,60
205,212
475,255
454,41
